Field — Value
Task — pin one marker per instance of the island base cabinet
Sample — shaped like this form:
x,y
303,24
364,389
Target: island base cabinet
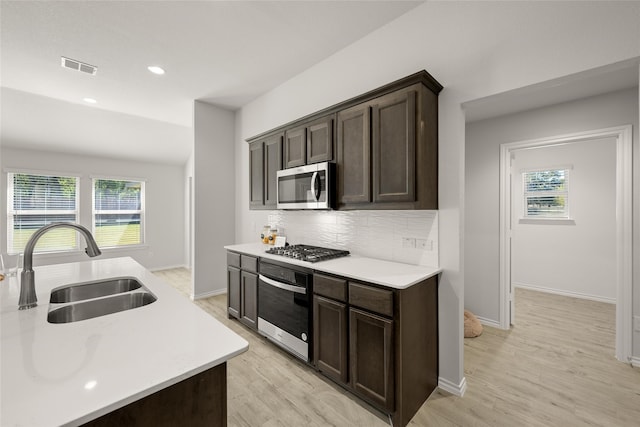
x,y
330,338
371,351
200,400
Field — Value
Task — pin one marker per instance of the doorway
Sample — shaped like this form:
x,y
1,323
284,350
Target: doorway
x,y
623,244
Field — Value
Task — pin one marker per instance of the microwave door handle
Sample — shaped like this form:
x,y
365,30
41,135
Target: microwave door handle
x,y
315,186
291,288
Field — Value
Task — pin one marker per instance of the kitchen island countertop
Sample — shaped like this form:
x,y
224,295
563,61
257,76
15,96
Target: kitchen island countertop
x,y
71,373
390,274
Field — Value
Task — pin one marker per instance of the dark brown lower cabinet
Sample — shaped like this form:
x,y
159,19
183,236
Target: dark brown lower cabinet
x,y
249,299
371,350
242,288
330,338
233,291
198,401
379,343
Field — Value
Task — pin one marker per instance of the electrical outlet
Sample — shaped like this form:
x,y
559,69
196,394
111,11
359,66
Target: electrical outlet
x,y
408,242
636,323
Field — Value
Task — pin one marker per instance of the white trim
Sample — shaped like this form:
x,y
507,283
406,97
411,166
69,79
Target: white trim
x,y
209,294
547,221
565,293
624,214
117,178
635,362
488,322
42,172
453,388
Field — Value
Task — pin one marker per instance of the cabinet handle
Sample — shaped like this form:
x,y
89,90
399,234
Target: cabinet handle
x,y
290,288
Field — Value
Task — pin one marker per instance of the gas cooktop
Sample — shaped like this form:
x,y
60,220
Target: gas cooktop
x,y
307,253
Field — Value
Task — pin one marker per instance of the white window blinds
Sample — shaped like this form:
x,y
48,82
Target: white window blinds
x,y
546,193
118,212
34,201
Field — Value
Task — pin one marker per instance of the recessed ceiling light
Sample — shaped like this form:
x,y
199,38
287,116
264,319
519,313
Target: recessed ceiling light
x,y
89,100
155,70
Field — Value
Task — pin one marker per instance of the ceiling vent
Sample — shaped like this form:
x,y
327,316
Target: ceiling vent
x,y
78,66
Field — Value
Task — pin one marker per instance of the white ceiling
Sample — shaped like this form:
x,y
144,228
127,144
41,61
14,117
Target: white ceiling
x,y
225,53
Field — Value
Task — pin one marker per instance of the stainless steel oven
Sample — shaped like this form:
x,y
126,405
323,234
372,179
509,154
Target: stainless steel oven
x,y
306,187
284,306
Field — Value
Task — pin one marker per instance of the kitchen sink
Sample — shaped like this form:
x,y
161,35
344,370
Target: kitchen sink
x,y
94,289
99,307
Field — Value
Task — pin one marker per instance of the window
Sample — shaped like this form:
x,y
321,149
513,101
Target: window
x,y
546,193
34,201
118,212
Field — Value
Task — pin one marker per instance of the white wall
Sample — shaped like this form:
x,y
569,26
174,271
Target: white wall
x,y
474,49
164,210
482,179
576,258
214,197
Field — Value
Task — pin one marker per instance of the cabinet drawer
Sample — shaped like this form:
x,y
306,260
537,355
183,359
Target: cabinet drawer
x,y
233,259
331,287
249,263
370,298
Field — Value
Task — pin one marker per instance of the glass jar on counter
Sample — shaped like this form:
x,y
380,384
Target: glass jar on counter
x,y
272,235
264,236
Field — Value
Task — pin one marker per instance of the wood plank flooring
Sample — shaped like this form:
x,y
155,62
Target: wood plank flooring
x,y
556,367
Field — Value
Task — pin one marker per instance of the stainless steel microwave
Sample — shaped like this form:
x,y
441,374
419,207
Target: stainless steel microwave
x,y
306,187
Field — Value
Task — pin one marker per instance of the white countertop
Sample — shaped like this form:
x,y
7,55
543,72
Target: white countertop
x,y
68,374
391,274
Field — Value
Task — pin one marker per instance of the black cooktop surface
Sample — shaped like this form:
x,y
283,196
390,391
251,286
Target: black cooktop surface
x,y
307,253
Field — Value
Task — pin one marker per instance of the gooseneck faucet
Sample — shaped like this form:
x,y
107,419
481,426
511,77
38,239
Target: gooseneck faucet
x,y
28,297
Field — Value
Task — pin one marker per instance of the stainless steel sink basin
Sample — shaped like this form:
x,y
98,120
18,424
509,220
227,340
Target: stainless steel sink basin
x,y
99,307
94,289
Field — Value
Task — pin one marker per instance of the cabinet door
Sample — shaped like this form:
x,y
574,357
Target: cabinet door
x,y
394,148
295,147
354,155
272,164
256,174
233,291
320,141
330,343
371,356
249,299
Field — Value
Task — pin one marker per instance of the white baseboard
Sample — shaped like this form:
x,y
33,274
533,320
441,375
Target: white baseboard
x,y
565,293
635,362
455,389
209,294
489,322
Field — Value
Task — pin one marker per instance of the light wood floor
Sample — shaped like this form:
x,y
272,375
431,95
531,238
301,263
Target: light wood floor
x,y
556,367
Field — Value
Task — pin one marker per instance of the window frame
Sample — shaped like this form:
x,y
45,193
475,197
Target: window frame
x,y
11,212
141,211
565,192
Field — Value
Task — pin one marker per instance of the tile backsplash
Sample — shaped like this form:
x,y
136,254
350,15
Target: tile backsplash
x,y
403,236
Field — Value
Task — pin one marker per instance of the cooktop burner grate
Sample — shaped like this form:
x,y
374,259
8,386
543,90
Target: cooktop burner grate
x,y
307,253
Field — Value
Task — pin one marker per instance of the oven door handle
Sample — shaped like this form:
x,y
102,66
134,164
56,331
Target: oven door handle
x,y
291,288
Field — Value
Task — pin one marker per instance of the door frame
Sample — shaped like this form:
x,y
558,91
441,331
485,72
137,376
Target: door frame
x,y
624,216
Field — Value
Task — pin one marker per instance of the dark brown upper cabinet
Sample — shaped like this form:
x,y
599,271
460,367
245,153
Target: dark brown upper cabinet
x,y
265,159
309,143
394,148
387,152
385,144
353,156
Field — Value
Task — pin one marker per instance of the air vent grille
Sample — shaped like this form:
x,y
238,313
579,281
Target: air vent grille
x,y
78,66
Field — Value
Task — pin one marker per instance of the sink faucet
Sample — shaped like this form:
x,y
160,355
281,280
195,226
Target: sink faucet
x,y
28,297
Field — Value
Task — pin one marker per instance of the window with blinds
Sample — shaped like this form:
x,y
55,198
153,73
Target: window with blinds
x,y
546,193
34,201
118,212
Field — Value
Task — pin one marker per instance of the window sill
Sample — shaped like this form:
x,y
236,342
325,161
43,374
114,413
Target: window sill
x,y
547,221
